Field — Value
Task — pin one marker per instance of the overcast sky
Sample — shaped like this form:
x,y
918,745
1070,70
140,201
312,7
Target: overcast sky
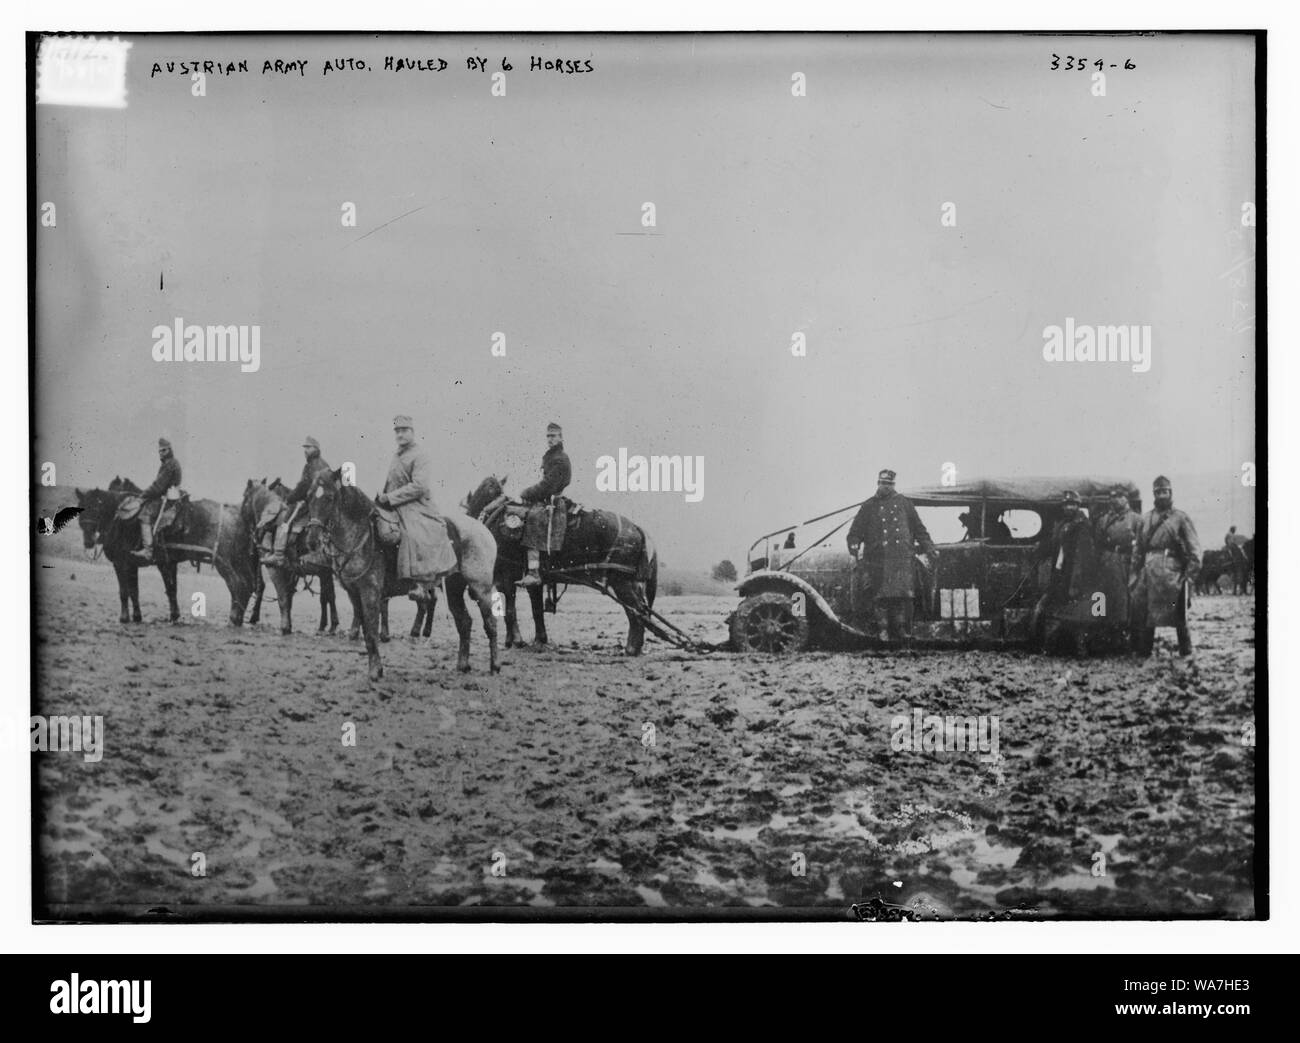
x,y
775,214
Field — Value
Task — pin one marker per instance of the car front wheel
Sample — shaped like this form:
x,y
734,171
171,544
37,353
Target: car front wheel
x,y
767,622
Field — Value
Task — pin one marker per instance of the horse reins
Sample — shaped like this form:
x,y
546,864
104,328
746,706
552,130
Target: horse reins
x,y
341,559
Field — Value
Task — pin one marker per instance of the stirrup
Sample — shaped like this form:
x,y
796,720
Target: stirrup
x,y
530,579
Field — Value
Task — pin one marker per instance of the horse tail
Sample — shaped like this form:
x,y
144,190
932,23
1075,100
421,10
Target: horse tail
x,y
648,569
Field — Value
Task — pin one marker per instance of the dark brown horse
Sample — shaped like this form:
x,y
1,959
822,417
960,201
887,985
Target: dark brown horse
x,y
204,532
257,495
600,547
367,569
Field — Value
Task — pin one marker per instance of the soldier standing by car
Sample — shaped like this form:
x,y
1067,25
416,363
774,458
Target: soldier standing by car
x,y
887,530
1168,553
1116,535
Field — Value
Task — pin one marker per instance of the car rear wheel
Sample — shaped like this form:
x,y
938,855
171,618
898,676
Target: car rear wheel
x,y
767,623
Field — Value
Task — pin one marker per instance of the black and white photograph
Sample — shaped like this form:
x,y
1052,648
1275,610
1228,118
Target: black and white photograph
x,y
647,476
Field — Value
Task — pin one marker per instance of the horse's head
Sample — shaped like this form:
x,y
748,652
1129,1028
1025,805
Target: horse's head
x,y
97,509
324,496
252,502
488,490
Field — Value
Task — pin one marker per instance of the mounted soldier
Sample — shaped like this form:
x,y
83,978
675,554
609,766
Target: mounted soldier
x,y
1168,555
166,489
425,553
544,527
887,531
286,513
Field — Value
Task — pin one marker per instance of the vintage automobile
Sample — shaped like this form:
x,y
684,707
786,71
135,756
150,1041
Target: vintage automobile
x,y
991,575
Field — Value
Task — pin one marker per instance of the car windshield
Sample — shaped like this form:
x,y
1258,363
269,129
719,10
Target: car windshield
x,y
955,523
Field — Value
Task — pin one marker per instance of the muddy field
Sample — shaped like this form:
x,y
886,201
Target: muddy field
x,y
1122,788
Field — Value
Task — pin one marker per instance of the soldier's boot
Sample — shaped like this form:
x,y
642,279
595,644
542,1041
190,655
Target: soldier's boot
x,y
899,631
1144,643
145,553
533,577
1185,642
278,548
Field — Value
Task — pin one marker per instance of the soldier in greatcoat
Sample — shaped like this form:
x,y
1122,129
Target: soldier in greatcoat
x,y
1167,554
1115,536
886,532
425,554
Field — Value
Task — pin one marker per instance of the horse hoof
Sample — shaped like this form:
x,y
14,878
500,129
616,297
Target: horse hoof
x,y
286,631
495,668
464,668
384,638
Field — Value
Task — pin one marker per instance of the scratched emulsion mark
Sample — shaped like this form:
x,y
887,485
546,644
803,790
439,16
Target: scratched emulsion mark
x,y
51,526
82,70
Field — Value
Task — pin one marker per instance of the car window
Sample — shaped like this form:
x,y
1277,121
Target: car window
x,y
1024,525
944,523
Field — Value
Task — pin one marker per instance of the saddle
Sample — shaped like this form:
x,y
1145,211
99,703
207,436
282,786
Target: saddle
x,y
130,507
388,525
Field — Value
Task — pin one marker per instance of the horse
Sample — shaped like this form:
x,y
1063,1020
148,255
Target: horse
x,y
367,569
205,531
599,547
256,497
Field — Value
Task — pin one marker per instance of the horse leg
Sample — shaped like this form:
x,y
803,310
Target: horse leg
x,y
464,626
327,591
285,584
259,589
168,571
354,631
428,612
484,599
631,595
123,590
383,617
324,611
539,617
370,594
419,621
133,590
507,587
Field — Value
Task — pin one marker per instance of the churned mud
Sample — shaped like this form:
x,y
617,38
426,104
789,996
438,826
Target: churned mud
x,y
579,777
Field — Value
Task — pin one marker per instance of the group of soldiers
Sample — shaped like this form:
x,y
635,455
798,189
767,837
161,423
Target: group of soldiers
x,y
1144,565
425,553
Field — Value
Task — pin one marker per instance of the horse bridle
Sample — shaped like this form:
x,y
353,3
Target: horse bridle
x,y
341,558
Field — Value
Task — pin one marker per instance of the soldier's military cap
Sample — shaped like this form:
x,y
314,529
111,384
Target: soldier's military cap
x,y
553,426
164,444
401,420
310,443
1162,483
1119,490
886,477
1070,496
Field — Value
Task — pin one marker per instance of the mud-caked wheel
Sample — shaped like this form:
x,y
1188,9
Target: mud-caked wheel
x,y
767,622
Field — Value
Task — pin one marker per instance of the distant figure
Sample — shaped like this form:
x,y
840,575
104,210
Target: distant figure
x,y
999,532
972,526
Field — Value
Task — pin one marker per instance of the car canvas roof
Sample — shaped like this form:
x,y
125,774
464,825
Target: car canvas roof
x,y
1018,490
